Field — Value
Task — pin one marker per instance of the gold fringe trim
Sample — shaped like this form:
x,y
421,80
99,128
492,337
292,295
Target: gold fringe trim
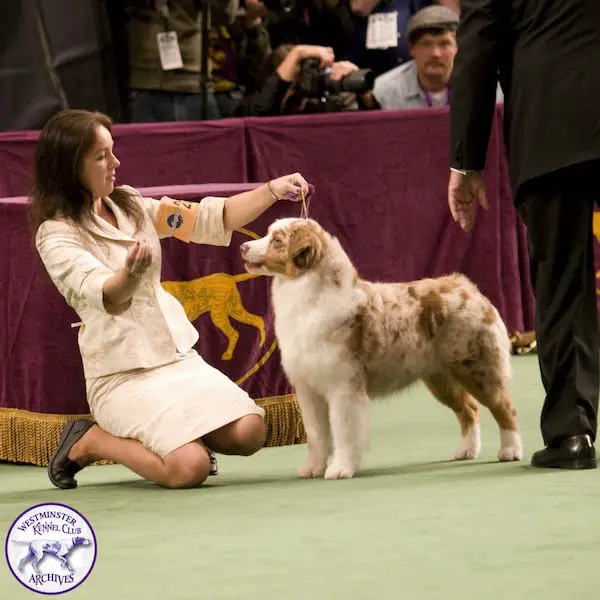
x,y
31,438
283,420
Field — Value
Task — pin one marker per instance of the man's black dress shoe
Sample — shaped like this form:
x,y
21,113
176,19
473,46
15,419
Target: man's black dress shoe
x,y
575,452
62,470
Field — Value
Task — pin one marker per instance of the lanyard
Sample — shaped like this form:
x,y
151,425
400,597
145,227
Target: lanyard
x,y
162,7
427,95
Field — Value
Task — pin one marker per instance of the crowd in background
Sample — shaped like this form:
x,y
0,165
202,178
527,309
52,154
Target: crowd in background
x,y
271,57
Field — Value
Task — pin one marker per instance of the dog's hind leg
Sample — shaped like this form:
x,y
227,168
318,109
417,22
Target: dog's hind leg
x,y
466,409
220,319
65,562
486,382
38,558
315,416
25,560
349,418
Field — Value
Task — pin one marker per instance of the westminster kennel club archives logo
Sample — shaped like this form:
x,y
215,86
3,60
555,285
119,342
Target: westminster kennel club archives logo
x,y
51,548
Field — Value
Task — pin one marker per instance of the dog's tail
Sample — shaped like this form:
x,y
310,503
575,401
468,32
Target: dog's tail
x,y
505,345
244,276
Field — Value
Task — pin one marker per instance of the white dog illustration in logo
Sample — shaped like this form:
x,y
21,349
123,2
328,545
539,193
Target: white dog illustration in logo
x,y
59,548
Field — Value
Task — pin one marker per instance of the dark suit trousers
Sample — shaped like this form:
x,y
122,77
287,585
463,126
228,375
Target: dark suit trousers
x,y
557,210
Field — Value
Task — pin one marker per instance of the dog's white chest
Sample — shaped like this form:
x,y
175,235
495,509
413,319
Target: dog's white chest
x,y
304,332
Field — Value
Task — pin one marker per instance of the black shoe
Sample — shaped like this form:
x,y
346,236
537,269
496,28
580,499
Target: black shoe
x,y
214,468
575,452
62,470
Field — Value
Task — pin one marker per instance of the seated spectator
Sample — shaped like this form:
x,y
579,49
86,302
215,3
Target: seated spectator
x,y
424,81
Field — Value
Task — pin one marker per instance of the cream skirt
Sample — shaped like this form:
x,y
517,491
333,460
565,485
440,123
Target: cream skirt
x,y
169,406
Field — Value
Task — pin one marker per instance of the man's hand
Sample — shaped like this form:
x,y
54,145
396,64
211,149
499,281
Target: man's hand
x,y
463,191
255,13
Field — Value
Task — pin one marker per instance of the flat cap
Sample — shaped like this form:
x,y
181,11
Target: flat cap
x,y
432,17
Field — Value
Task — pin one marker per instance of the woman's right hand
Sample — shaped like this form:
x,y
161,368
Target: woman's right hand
x,y
119,289
139,258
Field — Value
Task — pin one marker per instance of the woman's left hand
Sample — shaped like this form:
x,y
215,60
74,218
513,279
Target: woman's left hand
x,y
340,69
289,187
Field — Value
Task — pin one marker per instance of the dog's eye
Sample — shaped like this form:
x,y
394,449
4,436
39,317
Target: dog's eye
x,y
277,243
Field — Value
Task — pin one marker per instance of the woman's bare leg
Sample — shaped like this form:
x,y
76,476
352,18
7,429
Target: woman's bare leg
x,y
243,437
187,466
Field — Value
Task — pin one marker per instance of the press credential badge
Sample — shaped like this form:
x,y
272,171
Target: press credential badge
x,y
168,49
382,30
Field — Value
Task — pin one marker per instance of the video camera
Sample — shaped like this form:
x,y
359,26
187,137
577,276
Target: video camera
x,y
317,83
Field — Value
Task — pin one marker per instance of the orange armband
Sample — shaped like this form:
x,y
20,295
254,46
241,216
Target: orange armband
x,y
177,218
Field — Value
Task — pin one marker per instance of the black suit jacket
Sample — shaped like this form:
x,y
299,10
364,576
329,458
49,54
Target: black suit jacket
x,y
546,54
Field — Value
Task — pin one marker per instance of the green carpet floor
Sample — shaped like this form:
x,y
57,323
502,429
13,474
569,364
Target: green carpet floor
x,y
414,525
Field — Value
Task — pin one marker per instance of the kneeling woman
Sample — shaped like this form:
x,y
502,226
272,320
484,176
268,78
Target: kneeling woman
x,y
159,408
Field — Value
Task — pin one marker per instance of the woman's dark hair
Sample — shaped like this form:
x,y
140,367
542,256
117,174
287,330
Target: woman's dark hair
x,y
57,191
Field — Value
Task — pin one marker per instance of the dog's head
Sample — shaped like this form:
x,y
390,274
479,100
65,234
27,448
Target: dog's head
x,y
290,248
81,541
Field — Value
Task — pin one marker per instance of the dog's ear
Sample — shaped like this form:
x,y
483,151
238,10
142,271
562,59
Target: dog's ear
x,y
304,257
304,248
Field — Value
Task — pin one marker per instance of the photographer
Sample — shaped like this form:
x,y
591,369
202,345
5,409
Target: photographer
x,y
306,79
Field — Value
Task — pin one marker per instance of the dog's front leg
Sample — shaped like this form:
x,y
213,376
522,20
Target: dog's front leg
x,y
35,561
25,560
316,424
349,418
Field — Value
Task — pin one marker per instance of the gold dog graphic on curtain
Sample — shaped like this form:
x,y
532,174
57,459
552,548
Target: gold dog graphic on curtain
x,y
218,295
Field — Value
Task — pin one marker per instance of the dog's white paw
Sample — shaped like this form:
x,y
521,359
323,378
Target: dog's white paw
x,y
311,470
339,471
511,447
470,444
466,453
